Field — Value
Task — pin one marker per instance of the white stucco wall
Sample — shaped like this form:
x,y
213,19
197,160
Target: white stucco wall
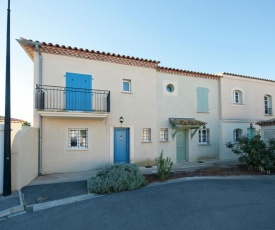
x,y
253,90
268,132
183,104
235,116
138,109
24,157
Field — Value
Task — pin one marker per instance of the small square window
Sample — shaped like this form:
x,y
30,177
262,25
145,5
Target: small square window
x,y
126,87
163,134
77,138
146,135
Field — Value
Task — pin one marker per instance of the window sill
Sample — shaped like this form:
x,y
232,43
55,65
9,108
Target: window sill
x,y
77,149
163,141
126,92
268,114
204,144
146,141
203,112
238,103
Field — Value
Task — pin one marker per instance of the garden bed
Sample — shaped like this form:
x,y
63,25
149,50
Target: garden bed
x,y
210,171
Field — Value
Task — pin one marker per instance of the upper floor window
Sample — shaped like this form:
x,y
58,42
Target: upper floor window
x,y
126,86
146,135
202,100
237,97
164,134
203,136
237,133
267,105
78,138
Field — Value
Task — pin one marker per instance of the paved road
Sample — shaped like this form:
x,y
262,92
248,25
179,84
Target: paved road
x,y
192,204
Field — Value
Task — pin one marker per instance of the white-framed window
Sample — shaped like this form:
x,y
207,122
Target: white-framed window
x,y
146,135
237,133
267,105
237,97
204,135
126,86
163,134
77,138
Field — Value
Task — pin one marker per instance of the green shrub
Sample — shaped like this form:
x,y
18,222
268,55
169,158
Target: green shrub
x,y
117,178
26,123
255,153
163,166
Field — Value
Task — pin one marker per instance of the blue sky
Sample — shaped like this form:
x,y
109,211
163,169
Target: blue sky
x,y
211,36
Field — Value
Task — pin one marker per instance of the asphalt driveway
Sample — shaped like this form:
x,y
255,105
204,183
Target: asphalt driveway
x,y
191,204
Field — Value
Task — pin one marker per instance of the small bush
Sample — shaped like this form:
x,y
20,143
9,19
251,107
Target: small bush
x,y
117,178
163,167
255,153
26,123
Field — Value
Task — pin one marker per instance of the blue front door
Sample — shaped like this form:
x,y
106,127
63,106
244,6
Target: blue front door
x,y
121,145
78,92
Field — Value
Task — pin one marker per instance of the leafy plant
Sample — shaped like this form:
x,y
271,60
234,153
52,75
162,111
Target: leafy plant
x,y
26,123
163,166
117,178
255,153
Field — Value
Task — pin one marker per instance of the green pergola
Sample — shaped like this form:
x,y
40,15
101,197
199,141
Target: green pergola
x,y
186,123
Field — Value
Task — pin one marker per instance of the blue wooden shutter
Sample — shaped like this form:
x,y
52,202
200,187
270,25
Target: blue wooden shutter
x,y
78,92
202,100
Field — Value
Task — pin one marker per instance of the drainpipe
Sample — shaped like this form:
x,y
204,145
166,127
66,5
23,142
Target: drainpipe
x,y
40,117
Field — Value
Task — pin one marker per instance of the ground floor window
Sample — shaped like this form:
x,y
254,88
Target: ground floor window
x,y
237,133
146,135
203,136
78,138
163,134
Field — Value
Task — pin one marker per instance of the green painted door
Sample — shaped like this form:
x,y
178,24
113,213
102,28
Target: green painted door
x,y
181,145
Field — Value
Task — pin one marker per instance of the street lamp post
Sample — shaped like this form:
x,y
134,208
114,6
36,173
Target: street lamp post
x,y
7,132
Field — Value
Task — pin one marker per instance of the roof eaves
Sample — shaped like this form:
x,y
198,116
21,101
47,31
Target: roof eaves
x,y
187,72
244,76
85,53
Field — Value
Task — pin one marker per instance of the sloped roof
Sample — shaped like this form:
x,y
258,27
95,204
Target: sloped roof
x,y
28,46
244,76
266,123
187,72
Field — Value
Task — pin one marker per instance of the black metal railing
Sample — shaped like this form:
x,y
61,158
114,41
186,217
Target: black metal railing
x,y
59,98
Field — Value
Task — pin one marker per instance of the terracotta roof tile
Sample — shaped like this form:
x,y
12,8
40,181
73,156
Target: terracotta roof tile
x,y
85,53
187,72
256,78
266,123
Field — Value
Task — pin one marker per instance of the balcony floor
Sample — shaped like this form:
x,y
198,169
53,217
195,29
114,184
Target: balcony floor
x,y
73,114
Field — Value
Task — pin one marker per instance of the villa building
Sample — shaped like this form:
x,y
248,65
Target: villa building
x,y
95,108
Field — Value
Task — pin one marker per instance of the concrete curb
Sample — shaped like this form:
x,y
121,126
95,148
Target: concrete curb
x,y
239,177
13,211
55,203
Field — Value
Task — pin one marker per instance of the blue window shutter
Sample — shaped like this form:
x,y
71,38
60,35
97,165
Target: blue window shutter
x,y
202,100
77,97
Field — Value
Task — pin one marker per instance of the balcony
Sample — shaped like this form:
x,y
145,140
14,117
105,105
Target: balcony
x,y
57,101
